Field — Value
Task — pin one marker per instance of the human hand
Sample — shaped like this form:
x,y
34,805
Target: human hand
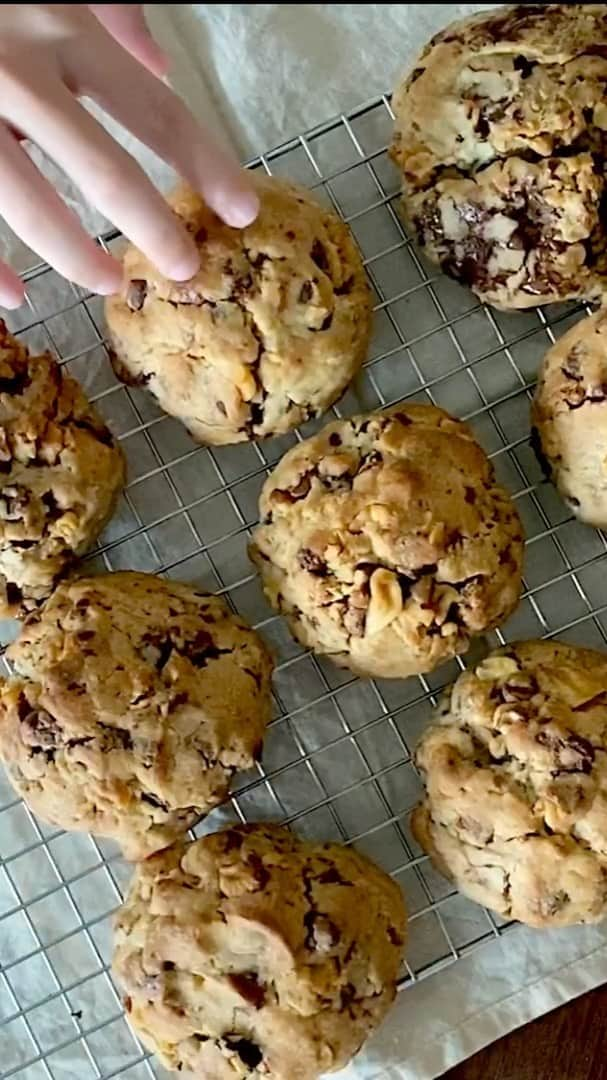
x,y
51,54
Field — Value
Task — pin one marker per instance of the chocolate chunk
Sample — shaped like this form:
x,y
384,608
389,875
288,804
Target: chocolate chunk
x,y
71,744
299,491
313,563
514,691
257,413
17,383
248,1052
259,259
23,707
370,461
469,495
168,965
261,875
254,675
100,432
156,650
13,593
354,621
571,369
232,840
247,985
345,288
136,293
598,701
318,254
322,933
115,738
553,904
415,74
402,418
219,405
201,649
335,439
525,66
572,754
202,235
305,293
535,443
394,937
153,800
325,325
332,876
123,373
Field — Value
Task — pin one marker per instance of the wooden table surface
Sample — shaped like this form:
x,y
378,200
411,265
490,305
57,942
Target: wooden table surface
x,y
567,1044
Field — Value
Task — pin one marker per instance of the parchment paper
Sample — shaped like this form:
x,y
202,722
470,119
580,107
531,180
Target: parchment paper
x,y
263,73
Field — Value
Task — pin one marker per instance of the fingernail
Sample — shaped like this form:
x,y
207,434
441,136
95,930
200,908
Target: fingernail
x,y
185,267
240,210
108,286
11,301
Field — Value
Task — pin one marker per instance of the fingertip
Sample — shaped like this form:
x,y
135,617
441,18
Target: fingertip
x,y
11,301
109,282
184,266
237,208
12,295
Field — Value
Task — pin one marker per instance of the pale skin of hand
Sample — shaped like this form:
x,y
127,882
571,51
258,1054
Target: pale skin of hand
x,y
53,54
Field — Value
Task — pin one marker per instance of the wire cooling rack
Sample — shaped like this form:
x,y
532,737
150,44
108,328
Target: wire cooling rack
x,y
337,759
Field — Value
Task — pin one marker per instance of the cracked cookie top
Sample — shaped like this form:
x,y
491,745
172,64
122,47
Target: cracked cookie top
x,y
515,768
387,543
500,137
252,953
569,417
267,335
133,702
61,472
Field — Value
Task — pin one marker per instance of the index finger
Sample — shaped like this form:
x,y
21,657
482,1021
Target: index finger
x,y
106,174
159,118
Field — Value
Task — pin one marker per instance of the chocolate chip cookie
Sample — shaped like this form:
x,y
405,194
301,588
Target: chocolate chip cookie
x,y
134,700
251,953
515,767
387,543
267,335
501,140
60,474
569,417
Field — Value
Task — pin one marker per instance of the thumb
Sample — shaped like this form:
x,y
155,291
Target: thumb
x,y
126,23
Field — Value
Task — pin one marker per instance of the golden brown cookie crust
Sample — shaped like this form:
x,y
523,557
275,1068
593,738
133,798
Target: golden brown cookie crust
x,y
267,335
569,417
515,767
134,700
500,136
252,953
61,473
387,543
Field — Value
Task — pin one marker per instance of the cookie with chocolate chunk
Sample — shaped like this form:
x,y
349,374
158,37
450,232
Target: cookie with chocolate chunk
x,y
253,953
515,768
133,702
387,543
569,417
500,136
269,332
60,474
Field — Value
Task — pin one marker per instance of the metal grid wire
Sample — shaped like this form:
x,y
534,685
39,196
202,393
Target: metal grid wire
x,y
337,759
